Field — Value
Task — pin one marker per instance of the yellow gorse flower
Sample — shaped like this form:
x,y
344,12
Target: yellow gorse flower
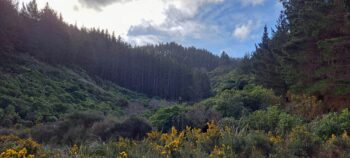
x,y
182,135
22,153
154,135
274,139
11,153
345,136
164,137
332,139
173,131
218,152
21,147
122,154
30,156
74,149
213,129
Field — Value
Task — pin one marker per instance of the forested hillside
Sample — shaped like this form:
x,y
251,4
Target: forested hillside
x,y
75,92
166,70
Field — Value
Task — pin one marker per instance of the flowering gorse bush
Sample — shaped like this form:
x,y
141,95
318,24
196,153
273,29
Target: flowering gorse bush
x,y
264,133
14,147
188,142
11,153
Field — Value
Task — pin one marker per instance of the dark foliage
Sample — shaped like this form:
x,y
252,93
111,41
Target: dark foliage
x,y
133,128
80,127
307,53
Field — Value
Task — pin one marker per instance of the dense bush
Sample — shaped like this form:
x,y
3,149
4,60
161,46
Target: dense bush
x,y
34,92
268,137
72,129
165,118
80,127
302,142
272,119
336,146
233,80
199,116
215,142
236,103
333,123
181,116
308,107
133,128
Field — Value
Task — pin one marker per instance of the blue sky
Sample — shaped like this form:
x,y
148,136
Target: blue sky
x,y
233,26
240,26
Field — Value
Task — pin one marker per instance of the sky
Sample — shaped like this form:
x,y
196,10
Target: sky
x,y
233,26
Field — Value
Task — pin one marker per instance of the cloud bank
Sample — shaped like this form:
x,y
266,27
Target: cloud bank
x,y
180,23
99,4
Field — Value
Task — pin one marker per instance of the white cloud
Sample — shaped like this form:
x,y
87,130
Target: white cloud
x,y
252,2
143,40
98,4
174,31
188,8
179,22
243,31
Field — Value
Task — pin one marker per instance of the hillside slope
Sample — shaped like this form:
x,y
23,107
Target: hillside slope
x,y
32,91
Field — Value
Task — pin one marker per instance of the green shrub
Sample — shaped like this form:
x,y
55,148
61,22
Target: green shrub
x,y
302,142
200,115
257,144
80,127
165,118
247,144
74,128
333,123
272,120
336,146
233,80
236,103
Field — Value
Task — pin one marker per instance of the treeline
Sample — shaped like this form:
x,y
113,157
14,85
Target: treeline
x,y
166,70
308,52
